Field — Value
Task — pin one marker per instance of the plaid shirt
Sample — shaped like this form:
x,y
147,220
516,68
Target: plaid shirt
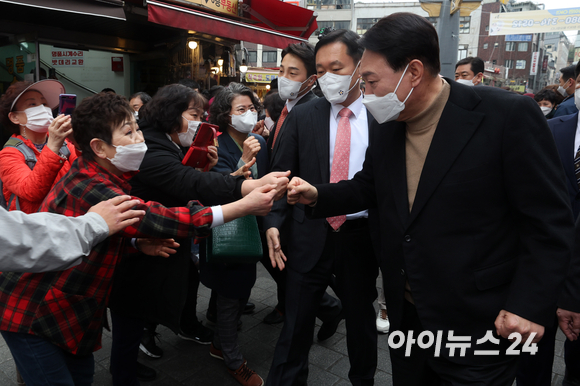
x,y
68,307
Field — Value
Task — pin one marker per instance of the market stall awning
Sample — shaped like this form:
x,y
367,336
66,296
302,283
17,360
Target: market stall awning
x,y
281,16
198,21
104,8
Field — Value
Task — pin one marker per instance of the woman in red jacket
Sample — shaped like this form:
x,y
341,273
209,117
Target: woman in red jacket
x,y
26,111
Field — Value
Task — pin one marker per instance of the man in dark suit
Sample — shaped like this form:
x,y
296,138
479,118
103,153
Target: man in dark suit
x,y
475,225
326,140
295,82
299,77
567,88
536,370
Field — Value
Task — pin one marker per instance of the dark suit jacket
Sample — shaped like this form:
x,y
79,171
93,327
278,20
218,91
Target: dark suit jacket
x,y
491,225
305,152
229,155
306,98
564,131
567,107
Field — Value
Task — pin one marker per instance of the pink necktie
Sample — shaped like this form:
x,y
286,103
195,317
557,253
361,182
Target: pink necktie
x,y
339,170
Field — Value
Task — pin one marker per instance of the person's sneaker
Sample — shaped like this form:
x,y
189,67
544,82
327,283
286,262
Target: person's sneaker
x,y
199,334
246,376
148,345
216,353
249,308
383,323
145,373
274,317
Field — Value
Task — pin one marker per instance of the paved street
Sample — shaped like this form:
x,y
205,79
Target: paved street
x,y
188,363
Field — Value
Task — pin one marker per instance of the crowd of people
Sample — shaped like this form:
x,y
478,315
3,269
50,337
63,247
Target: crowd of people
x,y
361,158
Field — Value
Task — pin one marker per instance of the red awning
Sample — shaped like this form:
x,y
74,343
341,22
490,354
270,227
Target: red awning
x,y
103,8
281,16
194,20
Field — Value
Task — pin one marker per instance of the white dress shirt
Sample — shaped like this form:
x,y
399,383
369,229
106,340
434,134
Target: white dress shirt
x,y
359,140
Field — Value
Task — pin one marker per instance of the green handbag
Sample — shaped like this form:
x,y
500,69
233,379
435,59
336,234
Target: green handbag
x,y
237,241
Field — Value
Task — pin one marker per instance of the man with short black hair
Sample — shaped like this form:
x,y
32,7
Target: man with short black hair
x,y
295,81
567,87
326,140
469,71
475,227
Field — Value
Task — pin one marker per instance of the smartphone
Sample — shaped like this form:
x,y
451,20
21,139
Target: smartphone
x,y
66,103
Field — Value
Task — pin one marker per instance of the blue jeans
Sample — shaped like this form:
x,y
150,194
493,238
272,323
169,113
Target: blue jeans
x,y
42,363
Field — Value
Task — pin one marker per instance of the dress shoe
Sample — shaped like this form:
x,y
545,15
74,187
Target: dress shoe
x,y
148,345
383,323
329,328
249,308
274,317
145,373
246,376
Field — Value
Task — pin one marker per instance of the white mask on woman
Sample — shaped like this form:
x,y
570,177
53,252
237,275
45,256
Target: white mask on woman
x,y
269,123
129,157
545,109
186,139
38,118
244,123
336,87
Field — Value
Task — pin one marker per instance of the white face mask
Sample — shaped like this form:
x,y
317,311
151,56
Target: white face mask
x,y
336,87
289,89
466,82
186,139
388,107
269,123
577,98
38,118
136,113
129,157
245,122
562,90
546,110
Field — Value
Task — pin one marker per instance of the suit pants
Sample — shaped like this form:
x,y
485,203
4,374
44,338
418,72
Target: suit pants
x,y
536,370
350,256
421,368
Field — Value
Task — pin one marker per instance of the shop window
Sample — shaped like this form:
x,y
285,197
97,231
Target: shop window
x,y
334,24
520,65
269,56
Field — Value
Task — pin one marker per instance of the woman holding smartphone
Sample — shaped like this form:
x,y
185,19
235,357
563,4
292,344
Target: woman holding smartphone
x,y
36,155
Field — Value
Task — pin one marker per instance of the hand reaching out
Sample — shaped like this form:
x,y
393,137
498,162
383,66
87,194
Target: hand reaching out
x,y
300,191
157,247
117,213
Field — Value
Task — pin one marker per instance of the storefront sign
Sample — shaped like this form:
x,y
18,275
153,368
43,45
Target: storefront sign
x,y
518,38
516,23
68,58
260,77
224,6
534,65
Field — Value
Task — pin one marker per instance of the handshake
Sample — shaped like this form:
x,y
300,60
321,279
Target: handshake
x,y
259,195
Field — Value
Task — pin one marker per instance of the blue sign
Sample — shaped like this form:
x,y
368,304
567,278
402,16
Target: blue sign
x,y
518,38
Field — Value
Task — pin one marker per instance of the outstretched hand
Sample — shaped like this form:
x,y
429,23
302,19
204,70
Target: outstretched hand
x,y
300,191
157,247
245,170
117,213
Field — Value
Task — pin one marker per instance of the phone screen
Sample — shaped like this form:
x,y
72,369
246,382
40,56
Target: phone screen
x,y
67,103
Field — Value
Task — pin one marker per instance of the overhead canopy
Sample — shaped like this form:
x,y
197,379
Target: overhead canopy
x,y
198,21
281,16
106,8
